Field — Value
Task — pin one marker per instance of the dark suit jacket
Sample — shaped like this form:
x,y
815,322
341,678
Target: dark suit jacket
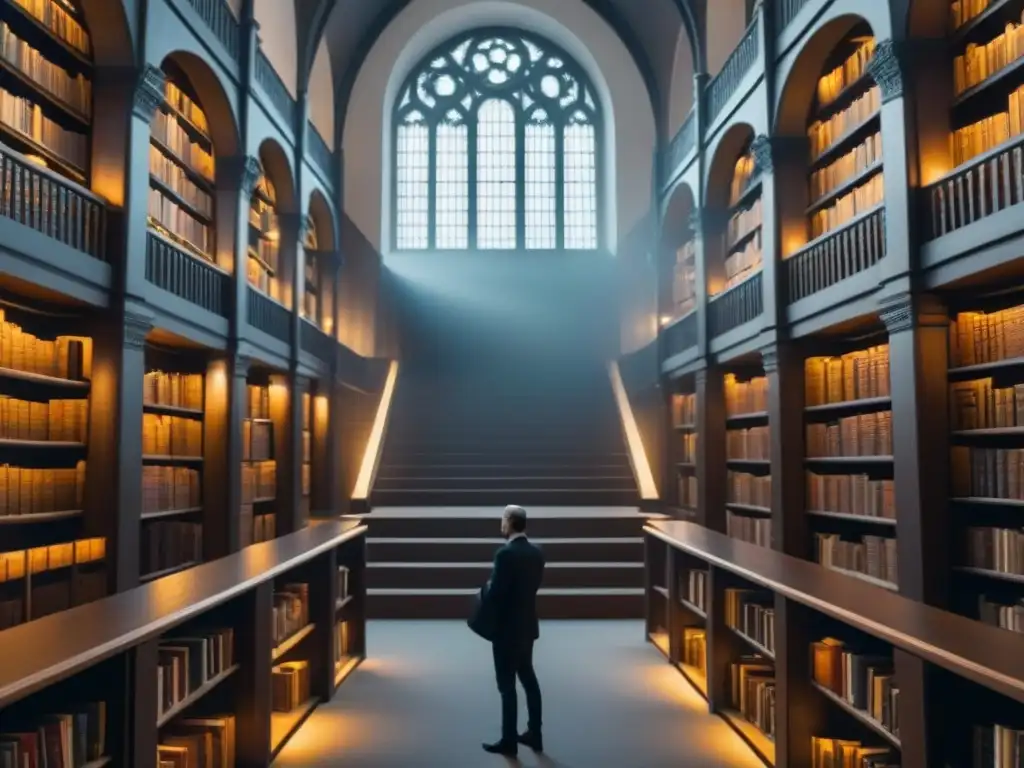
x,y
510,600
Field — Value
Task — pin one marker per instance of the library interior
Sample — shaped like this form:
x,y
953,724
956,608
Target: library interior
x,y
297,295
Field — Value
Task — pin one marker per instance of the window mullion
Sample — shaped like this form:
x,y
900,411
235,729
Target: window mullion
x,y
432,187
471,122
559,185
520,181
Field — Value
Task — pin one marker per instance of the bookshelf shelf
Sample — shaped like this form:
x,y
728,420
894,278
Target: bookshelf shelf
x,y
284,724
989,432
27,24
163,513
195,696
180,201
738,419
26,145
748,195
52,100
344,669
987,500
693,608
996,86
848,460
847,94
737,245
194,175
167,571
342,602
753,643
752,463
759,741
985,23
988,573
847,141
168,459
752,509
190,127
866,519
863,404
685,427
861,716
689,465
172,410
9,442
660,641
979,370
861,177
660,590
291,641
43,380
40,517
696,676
865,577
264,499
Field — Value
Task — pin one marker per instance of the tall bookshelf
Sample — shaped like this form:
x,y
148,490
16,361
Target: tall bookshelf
x,y
312,307
741,240
849,466
173,459
748,458
683,450
259,467
987,445
306,479
46,76
264,234
844,132
181,169
684,279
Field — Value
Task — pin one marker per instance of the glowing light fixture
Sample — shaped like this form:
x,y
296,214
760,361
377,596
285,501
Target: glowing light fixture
x,y
635,445
665,320
373,444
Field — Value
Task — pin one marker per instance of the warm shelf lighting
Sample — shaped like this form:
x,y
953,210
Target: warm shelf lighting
x,y
37,160
637,455
373,444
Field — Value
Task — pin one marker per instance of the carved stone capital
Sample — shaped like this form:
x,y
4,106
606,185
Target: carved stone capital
x,y
897,312
149,92
242,364
252,169
761,149
136,327
886,69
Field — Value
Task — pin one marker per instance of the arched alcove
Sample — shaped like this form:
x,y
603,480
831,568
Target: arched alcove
x,y
319,245
732,213
677,276
271,252
680,97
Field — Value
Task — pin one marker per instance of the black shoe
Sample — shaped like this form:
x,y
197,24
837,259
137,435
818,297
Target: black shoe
x,y
532,740
502,748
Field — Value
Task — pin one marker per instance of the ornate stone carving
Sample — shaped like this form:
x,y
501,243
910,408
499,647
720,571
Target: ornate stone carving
x,y
885,67
252,169
761,149
897,312
242,366
149,92
136,327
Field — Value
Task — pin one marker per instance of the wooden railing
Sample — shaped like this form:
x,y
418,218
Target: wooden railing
x,y
317,343
267,315
837,255
786,11
221,21
979,188
682,144
681,335
736,306
46,202
725,83
275,88
319,150
187,277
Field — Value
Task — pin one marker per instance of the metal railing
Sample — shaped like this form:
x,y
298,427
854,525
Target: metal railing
x,y
314,341
275,88
319,151
857,245
681,335
740,61
679,148
186,276
786,11
735,306
268,316
219,18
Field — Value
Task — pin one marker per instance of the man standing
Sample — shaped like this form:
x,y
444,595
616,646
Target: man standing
x,y
511,599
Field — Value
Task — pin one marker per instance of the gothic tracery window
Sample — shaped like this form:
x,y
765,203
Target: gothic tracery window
x,y
496,147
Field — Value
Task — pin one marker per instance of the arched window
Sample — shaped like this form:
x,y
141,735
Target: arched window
x,y
496,148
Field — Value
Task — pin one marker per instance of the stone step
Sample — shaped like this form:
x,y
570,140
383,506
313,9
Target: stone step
x,y
582,603
468,550
387,471
430,575
470,523
503,496
511,481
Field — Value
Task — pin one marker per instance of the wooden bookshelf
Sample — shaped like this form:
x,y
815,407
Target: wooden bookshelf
x,y
312,307
259,467
850,494
306,465
46,74
264,235
683,450
748,492
741,238
684,278
182,169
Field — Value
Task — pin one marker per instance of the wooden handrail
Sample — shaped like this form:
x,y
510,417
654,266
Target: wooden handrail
x,y
47,650
984,654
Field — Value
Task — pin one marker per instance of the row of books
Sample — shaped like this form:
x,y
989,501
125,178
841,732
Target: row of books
x,y
693,586
846,167
832,83
684,410
687,490
997,746
71,739
167,215
306,479
872,556
205,742
742,223
867,434
44,580
167,488
188,662
972,140
257,440
289,686
752,684
1001,613
259,480
851,495
307,445
257,401
684,278
180,390
342,642
57,18
63,420
741,175
743,397
962,11
977,405
996,549
996,473
166,129
745,488
743,263
986,337
864,681
26,117
978,62
753,443
688,447
755,530
752,612
173,176
66,357
863,198
695,648
171,435
167,544
260,276
824,133
264,527
291,611
29,491
841,753
853,376
74,90
181,102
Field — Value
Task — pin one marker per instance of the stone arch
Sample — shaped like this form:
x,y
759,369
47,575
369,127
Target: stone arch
x,y
680,97
212,99
675,266
278,170
733,144
733,149
320,213
109,32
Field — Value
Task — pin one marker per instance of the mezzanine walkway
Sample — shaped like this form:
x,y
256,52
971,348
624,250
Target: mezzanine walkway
x,y
426,698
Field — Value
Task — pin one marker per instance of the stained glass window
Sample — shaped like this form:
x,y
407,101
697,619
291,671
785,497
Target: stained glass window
x,y
497,135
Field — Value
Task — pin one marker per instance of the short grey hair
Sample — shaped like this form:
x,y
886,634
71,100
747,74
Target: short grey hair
x,y
516,517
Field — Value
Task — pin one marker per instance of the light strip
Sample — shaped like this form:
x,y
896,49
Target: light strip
x,y
373,444
635,444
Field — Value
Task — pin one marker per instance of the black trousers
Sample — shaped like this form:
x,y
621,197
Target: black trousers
x,y
510,662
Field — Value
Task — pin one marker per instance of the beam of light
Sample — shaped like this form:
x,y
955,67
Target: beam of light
x,y
637,454
373,444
